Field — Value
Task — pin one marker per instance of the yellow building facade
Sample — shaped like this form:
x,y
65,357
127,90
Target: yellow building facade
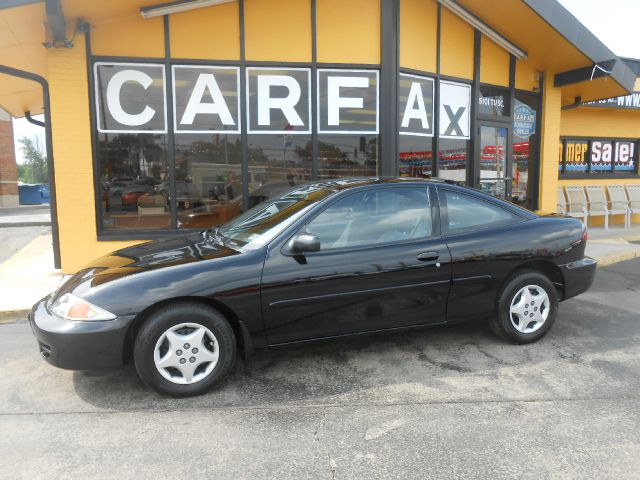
x,y
169,117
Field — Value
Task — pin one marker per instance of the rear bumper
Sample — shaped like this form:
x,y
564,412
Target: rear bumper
x,y
78,345
578,276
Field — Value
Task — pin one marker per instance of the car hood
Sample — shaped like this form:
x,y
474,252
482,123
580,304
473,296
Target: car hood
x,y
156,254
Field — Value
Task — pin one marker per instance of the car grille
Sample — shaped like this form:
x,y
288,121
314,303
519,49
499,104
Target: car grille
x,y
45,350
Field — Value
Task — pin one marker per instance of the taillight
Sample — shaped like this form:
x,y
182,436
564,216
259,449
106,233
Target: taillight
x,y
585,234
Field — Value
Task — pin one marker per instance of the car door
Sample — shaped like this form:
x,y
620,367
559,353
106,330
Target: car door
x,y
486,243
382,264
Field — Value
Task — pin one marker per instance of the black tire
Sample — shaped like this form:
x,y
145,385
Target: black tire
x,y
170,316
502,323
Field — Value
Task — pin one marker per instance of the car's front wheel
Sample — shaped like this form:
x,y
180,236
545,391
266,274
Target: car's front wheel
x,y
527,307
184,349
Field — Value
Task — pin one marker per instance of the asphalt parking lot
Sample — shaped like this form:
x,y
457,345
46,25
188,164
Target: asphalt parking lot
x,y
452,402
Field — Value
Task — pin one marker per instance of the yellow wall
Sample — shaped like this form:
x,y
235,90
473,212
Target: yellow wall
x,y
603,123
418,34
348,31
551,102
128,35
71,129
265,24
494,63
211,33
456,46
600,122
526,76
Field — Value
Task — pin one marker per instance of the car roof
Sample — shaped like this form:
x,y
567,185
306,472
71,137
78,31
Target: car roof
x,y
344,184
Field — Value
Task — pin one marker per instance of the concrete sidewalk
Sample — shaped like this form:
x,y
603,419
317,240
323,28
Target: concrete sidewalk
x,y
29,274
613,245
25,216
26,277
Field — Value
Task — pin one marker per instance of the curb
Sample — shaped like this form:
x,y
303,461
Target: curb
x,y
13,316
25,224
618,257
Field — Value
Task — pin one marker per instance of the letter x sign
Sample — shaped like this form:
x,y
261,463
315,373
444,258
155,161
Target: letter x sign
x,y
455,106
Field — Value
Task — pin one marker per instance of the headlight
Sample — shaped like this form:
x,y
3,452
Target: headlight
x,y
74,308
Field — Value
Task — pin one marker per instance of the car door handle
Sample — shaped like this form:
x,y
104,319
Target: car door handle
x,y
428,256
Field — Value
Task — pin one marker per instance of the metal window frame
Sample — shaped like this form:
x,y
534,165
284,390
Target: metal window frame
x,y
388,136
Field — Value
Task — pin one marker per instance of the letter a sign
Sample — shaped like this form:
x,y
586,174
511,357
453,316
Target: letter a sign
x,y
415,102
455,103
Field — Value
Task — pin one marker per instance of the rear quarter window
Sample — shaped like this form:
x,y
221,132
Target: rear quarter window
x,y
465,212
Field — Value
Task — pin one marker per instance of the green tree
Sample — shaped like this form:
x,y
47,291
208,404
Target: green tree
x,y
35,167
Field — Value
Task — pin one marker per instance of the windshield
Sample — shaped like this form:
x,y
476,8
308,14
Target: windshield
x,y
258,226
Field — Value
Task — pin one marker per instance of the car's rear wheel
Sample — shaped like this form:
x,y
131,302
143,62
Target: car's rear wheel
x,y
184,349
527,307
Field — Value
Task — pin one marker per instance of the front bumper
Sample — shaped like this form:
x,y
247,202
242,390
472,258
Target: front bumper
x,y
578,276
78,345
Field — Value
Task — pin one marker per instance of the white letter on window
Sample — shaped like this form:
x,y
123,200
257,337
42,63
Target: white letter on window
x,y
420,111
196,106
113,98
285,104
335,102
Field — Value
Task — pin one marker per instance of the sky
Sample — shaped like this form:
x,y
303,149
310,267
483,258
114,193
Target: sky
x,y
613,21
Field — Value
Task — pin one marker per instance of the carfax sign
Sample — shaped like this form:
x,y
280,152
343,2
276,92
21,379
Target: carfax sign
x,y
132,98
524,120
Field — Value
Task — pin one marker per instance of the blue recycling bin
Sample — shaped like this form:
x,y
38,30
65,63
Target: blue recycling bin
x,y
35,194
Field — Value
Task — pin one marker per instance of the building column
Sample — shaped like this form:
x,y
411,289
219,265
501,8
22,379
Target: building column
x,y
8,168
550,137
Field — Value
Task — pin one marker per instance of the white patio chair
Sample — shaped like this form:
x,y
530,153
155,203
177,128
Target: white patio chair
x,y
633,194
561,203
577,203
619,203
598,204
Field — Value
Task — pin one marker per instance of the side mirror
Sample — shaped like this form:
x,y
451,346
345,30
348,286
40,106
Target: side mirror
x,y
305,242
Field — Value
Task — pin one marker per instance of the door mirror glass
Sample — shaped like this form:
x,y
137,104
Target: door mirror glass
x,y
303,243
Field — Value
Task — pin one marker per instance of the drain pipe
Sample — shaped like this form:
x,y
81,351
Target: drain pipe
x,y
14,72
30,119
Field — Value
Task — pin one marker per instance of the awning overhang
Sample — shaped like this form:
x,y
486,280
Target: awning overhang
x,y
556,41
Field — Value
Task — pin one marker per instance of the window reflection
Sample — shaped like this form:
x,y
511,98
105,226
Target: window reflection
x,y
208,179
346,155
277,163
453,157
133,168
416,156
525,140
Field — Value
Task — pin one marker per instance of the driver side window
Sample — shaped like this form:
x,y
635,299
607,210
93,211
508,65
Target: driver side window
x,y
374,217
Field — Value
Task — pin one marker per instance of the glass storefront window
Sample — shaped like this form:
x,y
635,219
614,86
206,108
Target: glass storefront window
x,y
525,140
493,101
416,156
277,163
625,157
597,156
576,156
208,179
133,170
347,156
493,160
602,156
453,158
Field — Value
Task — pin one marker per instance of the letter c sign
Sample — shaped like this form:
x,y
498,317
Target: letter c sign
x,y
130,97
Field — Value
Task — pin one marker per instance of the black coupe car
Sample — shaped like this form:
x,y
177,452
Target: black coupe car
x,y
322,260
